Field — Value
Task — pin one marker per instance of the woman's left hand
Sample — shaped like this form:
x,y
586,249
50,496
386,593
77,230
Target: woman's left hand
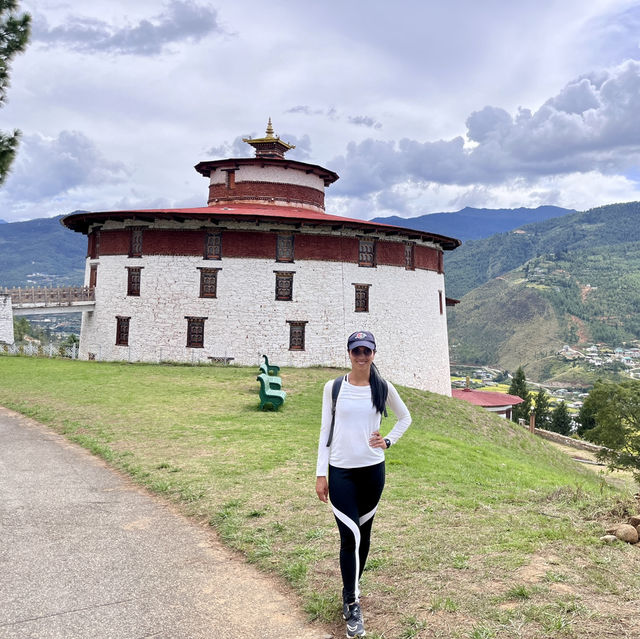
x,y
377,441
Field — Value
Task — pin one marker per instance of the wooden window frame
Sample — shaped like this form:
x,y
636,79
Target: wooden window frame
x,y
213,245
366,258
209,289
297,331
122,330
410,256
136,241
284,286
285,247
133,282
195,337
361,298
93,275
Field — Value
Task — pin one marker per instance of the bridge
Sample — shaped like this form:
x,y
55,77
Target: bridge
x,y
47,301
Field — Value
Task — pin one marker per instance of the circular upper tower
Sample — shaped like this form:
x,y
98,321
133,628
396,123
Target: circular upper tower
x,y
267,178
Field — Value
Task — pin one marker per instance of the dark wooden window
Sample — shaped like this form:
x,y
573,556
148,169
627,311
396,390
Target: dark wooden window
x,y
135,245
93,275
367,253
122,331
195,332
284,248
209,282
213,246
133,280
440,301
284,285
409,259
440,262
362,298
296,335
94,244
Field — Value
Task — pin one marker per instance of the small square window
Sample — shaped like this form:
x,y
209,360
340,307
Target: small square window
x,y
284,285
362,298
122,331
367,253
195,332
133,280
209,282
135,246
213,246
284,248
296,335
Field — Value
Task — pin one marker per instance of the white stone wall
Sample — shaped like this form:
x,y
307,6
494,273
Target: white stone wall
x,y
245,320
6,320
276,174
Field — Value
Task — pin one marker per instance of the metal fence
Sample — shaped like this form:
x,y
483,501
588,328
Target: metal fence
x,y
40,350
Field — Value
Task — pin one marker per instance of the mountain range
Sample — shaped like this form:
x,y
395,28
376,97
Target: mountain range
x,y
474,224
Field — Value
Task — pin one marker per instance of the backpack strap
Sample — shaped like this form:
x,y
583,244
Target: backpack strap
x,y
335,390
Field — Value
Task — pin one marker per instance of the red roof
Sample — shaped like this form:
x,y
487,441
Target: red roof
x,y
272,213
486,399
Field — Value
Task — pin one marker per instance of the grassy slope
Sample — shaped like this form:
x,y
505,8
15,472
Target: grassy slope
x,y
483,531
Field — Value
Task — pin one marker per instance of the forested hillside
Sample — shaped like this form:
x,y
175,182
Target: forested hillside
x,y
41,252
573,280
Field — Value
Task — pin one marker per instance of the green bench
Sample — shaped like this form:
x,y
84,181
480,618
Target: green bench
x,y
272,369
274,382
269,395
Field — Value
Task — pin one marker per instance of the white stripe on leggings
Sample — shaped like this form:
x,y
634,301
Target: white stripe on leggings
x,y
353,527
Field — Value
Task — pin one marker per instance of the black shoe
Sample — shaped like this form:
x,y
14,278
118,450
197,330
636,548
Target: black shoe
x,y
353,616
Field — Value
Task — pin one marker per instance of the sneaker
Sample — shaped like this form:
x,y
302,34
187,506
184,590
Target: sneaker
x,y
355,624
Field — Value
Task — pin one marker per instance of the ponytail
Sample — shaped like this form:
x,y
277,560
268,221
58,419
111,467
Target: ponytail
x,y
379,389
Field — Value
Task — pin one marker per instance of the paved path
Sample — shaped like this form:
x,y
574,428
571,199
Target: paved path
x,y
84,553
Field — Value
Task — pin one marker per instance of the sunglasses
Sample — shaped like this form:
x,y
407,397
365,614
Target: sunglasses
x,y
361,350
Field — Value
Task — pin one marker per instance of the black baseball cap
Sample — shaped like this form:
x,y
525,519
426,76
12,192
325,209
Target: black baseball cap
x,y
361,338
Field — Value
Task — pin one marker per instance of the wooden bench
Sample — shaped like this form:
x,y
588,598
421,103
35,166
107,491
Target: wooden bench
x,y
269,395
274,382
272,369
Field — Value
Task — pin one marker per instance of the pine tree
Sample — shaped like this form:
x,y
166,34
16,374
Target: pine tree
x,y
519,388
14,35
543,409
561,420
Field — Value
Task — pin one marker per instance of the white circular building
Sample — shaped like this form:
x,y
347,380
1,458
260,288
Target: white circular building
x,y
263,269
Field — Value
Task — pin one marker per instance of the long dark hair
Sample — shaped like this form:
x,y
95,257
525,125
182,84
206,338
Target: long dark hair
x,y
379,389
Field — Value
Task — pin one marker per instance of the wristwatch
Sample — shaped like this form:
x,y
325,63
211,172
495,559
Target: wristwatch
x,y
387,442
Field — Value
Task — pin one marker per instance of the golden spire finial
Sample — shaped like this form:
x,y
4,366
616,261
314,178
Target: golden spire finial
x,y
269,129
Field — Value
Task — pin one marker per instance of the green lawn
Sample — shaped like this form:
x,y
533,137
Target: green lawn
x,y
484,531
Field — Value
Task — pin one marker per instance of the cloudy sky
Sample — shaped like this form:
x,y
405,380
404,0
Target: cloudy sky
x,y
420,107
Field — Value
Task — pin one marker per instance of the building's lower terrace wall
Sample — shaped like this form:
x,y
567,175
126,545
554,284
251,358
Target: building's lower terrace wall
x,y
6,320
407,314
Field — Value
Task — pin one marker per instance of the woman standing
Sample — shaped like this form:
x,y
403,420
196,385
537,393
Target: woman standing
x,y
351,451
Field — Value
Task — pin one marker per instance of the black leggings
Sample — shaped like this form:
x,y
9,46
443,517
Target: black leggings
x,y
354,494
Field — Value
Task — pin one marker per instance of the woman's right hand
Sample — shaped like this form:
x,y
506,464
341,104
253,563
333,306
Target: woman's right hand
x,y
322,489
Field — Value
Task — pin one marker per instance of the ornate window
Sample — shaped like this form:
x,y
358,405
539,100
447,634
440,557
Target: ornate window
x,y
284,248
94,244
135,245
209,282
367,253
296,335
195,332
122,330
362,298
133,280
213,246
93,275
284,285
409,259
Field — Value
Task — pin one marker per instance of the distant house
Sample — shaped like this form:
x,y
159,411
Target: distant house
x,y
499,403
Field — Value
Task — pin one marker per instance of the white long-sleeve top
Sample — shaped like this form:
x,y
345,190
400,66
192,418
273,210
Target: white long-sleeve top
x,y
356,419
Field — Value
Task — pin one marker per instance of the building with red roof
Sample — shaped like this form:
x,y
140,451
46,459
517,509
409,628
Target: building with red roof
x,y
264,269
500,403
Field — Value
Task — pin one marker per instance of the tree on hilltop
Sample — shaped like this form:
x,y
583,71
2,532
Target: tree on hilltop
x,y
14,35
519,388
